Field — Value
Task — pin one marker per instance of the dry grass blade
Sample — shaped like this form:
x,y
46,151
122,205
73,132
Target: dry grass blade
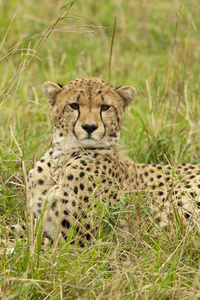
x,y
25,63
111,50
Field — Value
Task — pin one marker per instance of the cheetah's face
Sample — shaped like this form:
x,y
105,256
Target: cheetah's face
x,y
87,112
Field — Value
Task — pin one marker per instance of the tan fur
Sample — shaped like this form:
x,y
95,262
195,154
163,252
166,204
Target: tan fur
x,y
83,165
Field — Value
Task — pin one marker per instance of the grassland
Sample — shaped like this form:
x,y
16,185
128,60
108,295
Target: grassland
x,y
156,49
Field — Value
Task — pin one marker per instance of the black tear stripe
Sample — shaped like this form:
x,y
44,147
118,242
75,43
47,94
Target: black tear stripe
x,y
102,97
75,123
78,97
103,124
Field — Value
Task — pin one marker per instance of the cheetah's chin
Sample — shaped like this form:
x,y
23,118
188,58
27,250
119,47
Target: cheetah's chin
x,y
102,143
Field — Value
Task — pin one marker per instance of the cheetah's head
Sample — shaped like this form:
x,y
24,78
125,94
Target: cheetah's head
x,y
87,112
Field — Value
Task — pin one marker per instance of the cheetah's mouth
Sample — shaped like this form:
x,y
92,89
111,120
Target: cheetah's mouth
x,y
90,137
90,141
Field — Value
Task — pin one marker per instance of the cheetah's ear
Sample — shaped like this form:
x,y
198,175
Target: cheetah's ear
x,y
128,93
51,90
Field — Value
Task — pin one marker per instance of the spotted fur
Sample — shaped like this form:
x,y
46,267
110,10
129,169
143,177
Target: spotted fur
x,y
83,165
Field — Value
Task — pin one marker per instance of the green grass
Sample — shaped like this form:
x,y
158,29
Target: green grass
x,y
156,49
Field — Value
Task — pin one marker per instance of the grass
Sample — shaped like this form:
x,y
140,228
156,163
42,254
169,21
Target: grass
x,y
155,49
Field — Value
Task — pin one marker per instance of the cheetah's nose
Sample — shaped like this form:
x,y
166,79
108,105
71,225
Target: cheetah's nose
x,y
89,128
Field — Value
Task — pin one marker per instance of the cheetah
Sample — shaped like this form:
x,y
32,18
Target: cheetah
x,y
83,165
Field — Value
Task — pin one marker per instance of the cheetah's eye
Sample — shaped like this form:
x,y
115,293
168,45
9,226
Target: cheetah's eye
x,y
105,107
74,105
